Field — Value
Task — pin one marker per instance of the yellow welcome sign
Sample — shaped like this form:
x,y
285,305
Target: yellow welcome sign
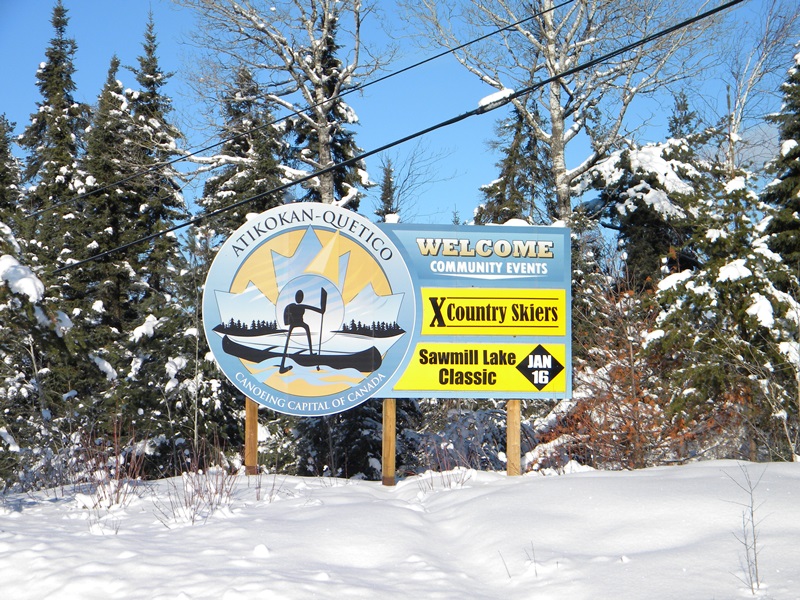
x,y
486,367
502,311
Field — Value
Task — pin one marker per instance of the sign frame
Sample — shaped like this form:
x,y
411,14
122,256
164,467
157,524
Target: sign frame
x,y
293,292
512,264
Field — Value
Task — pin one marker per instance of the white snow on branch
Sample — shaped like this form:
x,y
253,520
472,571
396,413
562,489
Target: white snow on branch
x,y
734,271
8,236
791,350
651,336
647,159
9,440
658,200
172,367
736,184
20,279
761,309
148,328
104,366
672,281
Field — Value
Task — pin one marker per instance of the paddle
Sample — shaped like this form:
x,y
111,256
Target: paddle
x,y
323,303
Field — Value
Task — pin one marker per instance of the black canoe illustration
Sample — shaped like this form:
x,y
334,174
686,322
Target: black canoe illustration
x,y
365,361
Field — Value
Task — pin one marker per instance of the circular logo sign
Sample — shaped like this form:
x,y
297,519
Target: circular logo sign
x,y
308,309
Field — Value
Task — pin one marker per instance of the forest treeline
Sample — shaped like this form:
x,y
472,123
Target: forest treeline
x,y
686,249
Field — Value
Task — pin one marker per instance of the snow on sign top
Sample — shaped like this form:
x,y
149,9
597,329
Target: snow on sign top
x,y
307,308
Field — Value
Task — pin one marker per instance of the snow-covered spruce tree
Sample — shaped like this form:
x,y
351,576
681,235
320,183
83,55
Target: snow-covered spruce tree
x,y
523,189
784,192
13,383
247,163
643,193
246,166
52,140
34,433
156,142
114,199
783,195
112,286
326,139
10,192
160,323
293,50
723,325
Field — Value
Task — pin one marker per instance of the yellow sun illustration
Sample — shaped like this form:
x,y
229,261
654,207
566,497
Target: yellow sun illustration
x,y
361,272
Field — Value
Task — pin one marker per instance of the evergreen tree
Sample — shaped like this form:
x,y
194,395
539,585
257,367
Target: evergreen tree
x,y
156,142
326,139
784,192
524,189
54,184
248,162
153,348
114,200
53,140
10,193
35,441
388,199
717,336
724,327
644,193
109,305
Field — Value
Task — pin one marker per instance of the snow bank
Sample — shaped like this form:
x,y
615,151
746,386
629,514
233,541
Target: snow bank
x,y
660,533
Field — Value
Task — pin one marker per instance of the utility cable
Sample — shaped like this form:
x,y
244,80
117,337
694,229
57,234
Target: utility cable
x,y
482,109
296,113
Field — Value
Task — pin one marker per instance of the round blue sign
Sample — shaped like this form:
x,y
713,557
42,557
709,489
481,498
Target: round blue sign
x,y
309,309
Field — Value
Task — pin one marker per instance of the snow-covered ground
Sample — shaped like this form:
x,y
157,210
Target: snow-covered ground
x,y
670,532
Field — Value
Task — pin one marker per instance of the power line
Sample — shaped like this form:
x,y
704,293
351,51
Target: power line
x,y
482,109
357,88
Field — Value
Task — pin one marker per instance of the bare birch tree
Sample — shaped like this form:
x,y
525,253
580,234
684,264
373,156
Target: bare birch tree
x,y
544,39
304,54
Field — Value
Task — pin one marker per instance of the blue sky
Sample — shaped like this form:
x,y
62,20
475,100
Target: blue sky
x,y
387,111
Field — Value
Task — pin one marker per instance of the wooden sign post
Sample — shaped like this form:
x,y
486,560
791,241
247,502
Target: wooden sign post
x,y
389,449
513,449
250,437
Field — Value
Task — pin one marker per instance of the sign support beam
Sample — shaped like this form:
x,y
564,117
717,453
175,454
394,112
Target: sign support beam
x,y
250,437
513,448
389,445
